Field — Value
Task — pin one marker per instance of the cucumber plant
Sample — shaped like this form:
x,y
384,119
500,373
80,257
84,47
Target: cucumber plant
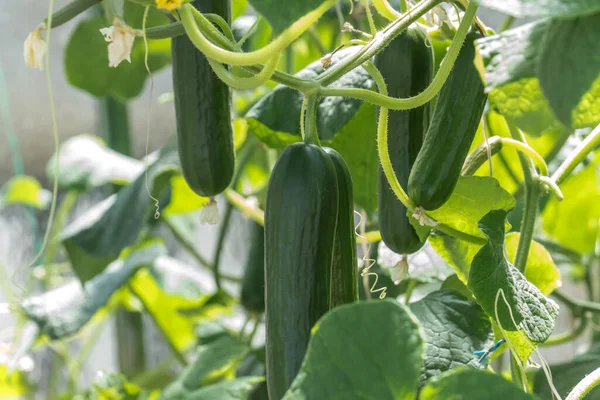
x,y
407,114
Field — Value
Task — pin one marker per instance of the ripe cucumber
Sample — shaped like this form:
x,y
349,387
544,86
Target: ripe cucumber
x,y
344,269
253,283
300,222
453,126
202,108
407,66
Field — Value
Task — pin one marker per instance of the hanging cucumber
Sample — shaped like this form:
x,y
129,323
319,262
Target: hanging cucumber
x,y
253,283
453,126
407,66
202,108
344,268
300,222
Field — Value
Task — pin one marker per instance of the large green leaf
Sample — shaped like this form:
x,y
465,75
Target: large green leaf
x,y
63,311
99,235
370,350
275,119
85,161
581,204
566,375
86,62
471,384
227,390
454,328
24,190
457,253
540,269
221,354
282,14
473,197
543,8
491,274
535,89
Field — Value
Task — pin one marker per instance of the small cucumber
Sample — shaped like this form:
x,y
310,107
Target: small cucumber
x,y
300,222
202,109
455,121
407,67
344,269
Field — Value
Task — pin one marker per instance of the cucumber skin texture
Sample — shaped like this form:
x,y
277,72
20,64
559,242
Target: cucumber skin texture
x,y
253,282
407,65
202,109
344,268
455,121
300,220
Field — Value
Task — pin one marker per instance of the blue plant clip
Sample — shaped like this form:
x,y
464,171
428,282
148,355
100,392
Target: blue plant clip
x,y
485,353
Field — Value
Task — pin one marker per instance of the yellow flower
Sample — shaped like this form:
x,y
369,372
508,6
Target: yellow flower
x,y
35,48
168,4
121,39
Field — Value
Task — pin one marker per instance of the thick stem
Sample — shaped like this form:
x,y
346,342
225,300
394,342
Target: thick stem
x,y
585,386
576,305
220,242
69,12
311,135
114,124
532,196
577,156
242,83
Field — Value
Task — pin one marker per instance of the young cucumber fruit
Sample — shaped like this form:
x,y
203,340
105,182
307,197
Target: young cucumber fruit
x,y
407,66
253,282
453,126
202,108
344,268
300,222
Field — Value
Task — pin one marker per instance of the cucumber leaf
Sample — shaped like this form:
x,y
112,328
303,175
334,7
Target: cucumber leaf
x,y
282,14
235,389
63,311
214,358
472,384
376,361
491,275
275,118
568,374
97,237
543,8
454,328
535,88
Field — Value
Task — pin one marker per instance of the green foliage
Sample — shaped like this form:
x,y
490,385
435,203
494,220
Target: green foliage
x,y
524,71
543,8
522,306
282,14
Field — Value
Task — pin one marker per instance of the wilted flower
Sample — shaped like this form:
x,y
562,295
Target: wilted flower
x,y
35,48
210,213
121,39
400,271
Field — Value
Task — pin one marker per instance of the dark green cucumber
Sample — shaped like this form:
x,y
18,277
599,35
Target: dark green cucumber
x,y
344,268
253,283
407,66
453,126
300,220
202,108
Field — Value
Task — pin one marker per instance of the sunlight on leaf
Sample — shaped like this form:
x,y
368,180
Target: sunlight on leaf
x,y
27,191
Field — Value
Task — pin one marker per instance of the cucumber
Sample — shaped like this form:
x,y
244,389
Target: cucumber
x,y
344,268
300,221
407,66
453,126
253,282
202,109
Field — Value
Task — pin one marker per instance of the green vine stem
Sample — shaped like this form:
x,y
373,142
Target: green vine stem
x,y
310,133
585,386
220,242
386,163
254,57
591,142
187,244
577,306
381,40
480,155
568,336
69,12
242,83
529,151
384,8
245,206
